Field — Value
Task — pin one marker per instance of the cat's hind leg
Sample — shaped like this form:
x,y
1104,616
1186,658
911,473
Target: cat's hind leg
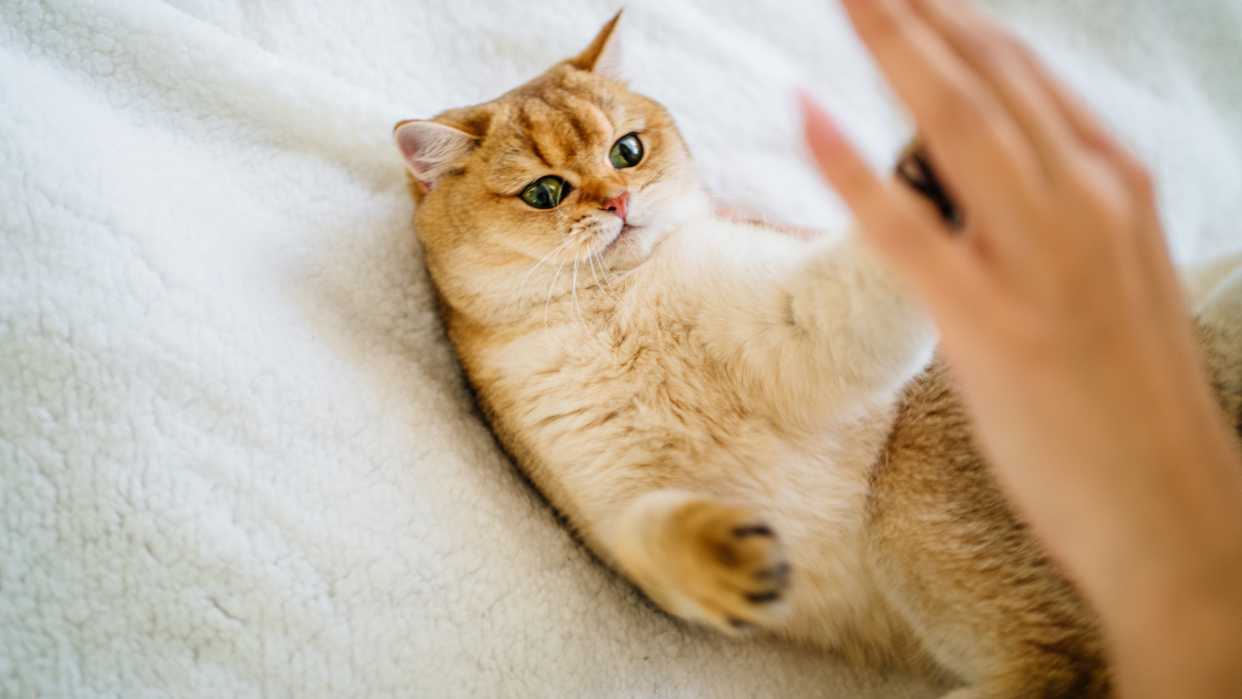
x,y
1019,686
703,559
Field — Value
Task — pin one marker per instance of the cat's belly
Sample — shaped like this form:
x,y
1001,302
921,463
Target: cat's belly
x,y
817,499
593,435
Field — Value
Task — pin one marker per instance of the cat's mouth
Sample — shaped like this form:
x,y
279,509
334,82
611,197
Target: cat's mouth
x,y
623,234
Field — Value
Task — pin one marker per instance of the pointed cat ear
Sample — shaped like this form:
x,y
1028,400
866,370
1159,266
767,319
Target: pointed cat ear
x,y
603,56
431,149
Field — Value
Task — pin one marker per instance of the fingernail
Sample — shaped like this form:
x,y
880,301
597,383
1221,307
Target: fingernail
x,y
821,132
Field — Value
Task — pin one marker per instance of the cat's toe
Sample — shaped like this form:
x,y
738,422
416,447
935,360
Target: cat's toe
x,y
706,560
745,575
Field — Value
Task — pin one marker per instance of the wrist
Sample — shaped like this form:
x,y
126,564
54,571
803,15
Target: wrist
x,y
1180,629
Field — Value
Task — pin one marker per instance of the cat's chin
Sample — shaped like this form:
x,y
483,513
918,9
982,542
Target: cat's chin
x,y
630,248
622,238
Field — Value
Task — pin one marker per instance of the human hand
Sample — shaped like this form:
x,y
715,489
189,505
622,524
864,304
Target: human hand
x,y
1066,330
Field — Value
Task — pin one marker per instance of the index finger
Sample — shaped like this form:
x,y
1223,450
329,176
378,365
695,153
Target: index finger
x,y
906,229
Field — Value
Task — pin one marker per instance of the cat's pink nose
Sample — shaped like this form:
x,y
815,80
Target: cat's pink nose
x,y
618,205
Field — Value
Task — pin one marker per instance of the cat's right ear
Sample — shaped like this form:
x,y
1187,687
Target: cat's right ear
x,y
432,149
603,56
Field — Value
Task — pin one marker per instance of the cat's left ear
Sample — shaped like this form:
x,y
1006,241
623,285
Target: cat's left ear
x,y
603,56
432,149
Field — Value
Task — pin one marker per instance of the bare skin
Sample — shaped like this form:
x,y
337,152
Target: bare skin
x,y
1066,330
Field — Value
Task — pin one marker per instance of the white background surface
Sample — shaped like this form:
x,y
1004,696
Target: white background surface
x,y
236,455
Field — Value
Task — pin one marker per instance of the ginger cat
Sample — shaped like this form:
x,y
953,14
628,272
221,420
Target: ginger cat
x,y
748,425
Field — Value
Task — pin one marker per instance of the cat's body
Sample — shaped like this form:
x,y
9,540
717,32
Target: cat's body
x,y
629,398
747,424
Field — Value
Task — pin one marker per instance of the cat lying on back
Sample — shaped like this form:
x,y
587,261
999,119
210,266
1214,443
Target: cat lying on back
x,y
748,425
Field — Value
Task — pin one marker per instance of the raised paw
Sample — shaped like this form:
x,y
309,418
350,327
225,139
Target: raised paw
x,y
710,561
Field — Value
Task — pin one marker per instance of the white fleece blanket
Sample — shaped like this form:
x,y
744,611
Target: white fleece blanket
x,y
236,454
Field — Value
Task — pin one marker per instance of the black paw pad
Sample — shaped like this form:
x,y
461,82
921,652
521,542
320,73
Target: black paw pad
x,y
778,574
752,530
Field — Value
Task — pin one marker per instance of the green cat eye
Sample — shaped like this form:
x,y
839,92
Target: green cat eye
x,y
626,152
545,192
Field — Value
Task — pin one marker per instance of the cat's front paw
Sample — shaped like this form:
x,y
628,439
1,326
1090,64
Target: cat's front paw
x,y
709,561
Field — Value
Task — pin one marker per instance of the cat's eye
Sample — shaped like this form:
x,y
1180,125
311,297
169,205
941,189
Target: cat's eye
x,y
545,192
627,152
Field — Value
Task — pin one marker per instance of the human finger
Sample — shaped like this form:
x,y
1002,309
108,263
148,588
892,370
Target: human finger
x,y
1153,253
1088,127
1012,74
981,152
1050,112
908,230
1073,141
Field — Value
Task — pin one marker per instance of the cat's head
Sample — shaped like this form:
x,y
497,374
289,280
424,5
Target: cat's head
x,y
571,167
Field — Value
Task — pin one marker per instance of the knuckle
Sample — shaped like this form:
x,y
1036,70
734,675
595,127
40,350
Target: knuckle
x,y
878,20
992,48
1021,51
1026,60
1117,191
1112,206
1007,44
952,113
988,50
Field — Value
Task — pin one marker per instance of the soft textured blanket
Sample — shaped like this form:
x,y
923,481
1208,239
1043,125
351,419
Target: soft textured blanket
x,y
236,454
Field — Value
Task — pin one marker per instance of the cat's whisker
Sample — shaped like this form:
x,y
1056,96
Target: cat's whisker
x,y
522,286
603,266
610,291
552,288
574,293
586,234
594,251
587,245
591,261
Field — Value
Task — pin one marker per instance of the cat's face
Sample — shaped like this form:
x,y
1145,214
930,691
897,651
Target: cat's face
x,y
571,166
